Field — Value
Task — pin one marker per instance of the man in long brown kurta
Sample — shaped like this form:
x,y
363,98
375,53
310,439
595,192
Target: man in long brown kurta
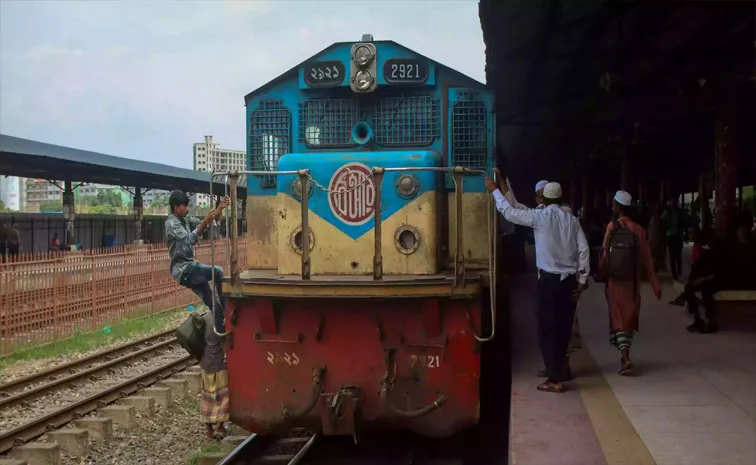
x,y
624,297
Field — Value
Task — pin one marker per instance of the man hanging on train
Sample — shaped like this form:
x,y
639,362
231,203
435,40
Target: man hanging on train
x,y
562,258
182,232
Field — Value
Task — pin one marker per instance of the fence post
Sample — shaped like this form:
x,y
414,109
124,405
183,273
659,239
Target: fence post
x,y
152,282
4,310
93,276
55,296
125,287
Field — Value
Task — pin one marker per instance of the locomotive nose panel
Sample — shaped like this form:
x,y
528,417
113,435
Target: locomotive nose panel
x,y
342,201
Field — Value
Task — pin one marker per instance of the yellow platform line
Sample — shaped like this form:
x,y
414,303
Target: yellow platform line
x,y
618,438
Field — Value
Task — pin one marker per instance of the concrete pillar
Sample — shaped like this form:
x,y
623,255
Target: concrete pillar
x,y
138,212
627,182
725,159
704,195
69,212
585,191
664,191
574,194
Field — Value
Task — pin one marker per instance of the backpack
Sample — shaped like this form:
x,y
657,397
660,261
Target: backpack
x,y
621,253
191,335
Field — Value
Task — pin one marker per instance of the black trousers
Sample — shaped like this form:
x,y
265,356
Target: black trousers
x,y
708,316
13,250
675,246
555,313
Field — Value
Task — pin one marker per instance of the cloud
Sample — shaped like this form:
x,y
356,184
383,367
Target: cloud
x,y
146,80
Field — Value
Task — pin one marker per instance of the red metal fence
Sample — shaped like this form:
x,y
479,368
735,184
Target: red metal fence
x,y
48,297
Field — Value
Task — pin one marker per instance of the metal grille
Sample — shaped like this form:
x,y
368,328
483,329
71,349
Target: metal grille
x,y
328,123
407,121
469,131
269,137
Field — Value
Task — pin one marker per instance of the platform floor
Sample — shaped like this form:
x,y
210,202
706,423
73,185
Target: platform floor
x,y
692,400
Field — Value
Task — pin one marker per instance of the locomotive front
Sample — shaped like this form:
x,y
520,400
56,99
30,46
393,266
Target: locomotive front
x,y
369,233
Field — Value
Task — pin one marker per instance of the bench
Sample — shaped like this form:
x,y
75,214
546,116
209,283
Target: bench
x,y
725,295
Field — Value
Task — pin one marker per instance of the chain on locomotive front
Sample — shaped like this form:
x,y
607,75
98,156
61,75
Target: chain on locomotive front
x,y
361,303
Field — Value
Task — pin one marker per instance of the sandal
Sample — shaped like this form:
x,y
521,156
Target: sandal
x,y
220,433
626,368
551,387
567,377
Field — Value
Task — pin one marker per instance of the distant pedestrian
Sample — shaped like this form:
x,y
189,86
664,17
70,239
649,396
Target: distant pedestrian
x,y
625,255
13,238
3,241
562,259
182,232
673,220
214,400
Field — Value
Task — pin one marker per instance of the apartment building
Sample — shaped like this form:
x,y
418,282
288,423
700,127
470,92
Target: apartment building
x,y
209,156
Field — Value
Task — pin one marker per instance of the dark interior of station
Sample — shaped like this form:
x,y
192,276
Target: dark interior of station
x,y
654,98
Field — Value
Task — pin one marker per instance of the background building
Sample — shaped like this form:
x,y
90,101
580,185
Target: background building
x,y
10,192
209,156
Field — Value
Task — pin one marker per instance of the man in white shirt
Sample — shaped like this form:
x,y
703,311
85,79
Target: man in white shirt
x,y
563,261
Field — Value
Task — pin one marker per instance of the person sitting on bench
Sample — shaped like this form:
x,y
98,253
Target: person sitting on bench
x,y
705,277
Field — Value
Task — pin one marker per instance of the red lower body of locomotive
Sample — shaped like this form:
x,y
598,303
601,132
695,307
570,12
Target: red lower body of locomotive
x,y
345,366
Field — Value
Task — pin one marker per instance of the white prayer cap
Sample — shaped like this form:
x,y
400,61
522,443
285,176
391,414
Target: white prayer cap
x,y
552,190
623,198
540,185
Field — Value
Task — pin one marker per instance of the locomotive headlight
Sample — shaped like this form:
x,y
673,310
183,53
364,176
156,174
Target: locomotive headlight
x,y
407,239
363,79
407,185
362,55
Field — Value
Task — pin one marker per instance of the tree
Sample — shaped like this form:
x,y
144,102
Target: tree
x,y
3,208
50,207
109,197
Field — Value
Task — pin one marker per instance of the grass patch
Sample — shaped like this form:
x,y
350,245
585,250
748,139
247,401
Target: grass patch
x,y
210,447
86,341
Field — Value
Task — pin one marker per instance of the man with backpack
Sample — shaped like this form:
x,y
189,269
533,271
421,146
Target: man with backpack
x,y
625,255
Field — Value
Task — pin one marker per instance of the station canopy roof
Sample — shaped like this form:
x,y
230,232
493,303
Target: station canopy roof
x,y
31,159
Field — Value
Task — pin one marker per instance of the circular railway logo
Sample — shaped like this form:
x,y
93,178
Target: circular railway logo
x,y
352,199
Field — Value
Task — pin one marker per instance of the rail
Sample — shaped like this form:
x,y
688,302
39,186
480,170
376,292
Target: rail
x,y
29,388
255,449
40,426
458,173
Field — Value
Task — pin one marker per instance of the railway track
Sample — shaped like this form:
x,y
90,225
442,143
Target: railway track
x,y
260,450
118,356
304,448
24,389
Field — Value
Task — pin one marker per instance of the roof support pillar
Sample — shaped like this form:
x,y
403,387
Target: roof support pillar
x,y
725,160
627,181
138,213
585,191
69,212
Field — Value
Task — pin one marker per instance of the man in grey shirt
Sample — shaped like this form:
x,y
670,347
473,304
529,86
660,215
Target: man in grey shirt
x,y
182,232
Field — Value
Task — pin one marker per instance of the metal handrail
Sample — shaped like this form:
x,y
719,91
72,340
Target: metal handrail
x,y
377,173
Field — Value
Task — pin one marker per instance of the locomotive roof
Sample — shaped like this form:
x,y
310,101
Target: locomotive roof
x,y
295,69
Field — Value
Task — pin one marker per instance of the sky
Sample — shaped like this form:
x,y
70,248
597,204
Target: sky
x,y
146,80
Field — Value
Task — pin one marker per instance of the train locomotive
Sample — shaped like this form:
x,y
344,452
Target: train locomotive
x,y
369,284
